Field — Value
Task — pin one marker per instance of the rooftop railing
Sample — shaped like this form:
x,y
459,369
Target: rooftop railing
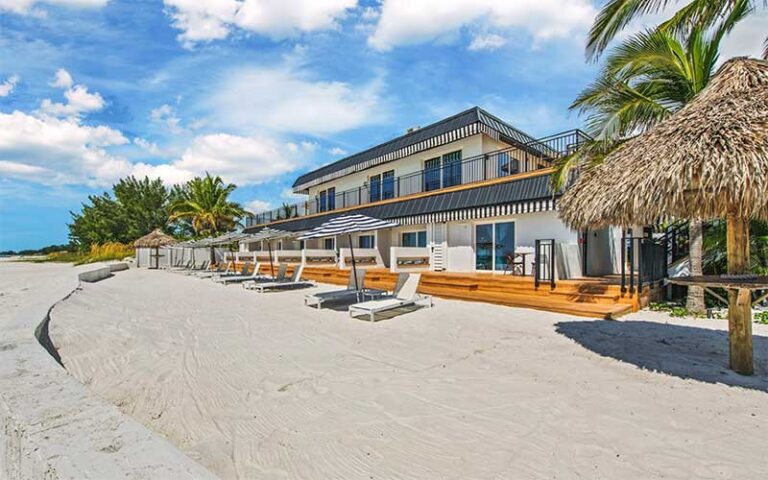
x,y
531,156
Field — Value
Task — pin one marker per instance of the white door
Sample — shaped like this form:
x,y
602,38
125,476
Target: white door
x,y
437,253
460,255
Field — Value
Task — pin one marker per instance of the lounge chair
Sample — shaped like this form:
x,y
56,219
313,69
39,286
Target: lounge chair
x,y
280,277
243,272
255,276
179,266
221,269
294,282
354,292
196,269
405,295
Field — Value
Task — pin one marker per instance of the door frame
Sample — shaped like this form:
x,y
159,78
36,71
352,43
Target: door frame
x,y
493,233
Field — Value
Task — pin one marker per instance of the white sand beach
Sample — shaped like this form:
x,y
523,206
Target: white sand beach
x,y
259,386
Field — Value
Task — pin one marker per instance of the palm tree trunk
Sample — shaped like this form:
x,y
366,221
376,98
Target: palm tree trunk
x,y
695,301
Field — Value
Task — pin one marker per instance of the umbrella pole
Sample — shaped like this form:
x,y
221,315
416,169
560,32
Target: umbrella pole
x,y
739,300
354,264
271,265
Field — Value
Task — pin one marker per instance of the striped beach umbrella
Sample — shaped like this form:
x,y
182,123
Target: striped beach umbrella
x,y
268,234
348,224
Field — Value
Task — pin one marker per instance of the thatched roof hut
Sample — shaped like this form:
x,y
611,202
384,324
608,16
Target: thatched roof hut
x,y
155,239
708,160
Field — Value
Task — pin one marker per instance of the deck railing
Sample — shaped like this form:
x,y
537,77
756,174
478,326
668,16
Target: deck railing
x,y
509,161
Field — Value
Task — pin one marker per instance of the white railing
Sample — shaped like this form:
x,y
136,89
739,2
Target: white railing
x,y
288,256
408,258
363,257
316,256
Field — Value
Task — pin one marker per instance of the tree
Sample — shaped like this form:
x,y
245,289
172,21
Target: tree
x,y
644,80
138,207
617,14
204,202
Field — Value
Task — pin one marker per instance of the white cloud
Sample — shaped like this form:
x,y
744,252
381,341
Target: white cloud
x,y
51,150
258,206
487,41
237,159
8,85
79,99
146,145
404,22
27,7
63,79
284,99
337,151
166,115
208,20
747,38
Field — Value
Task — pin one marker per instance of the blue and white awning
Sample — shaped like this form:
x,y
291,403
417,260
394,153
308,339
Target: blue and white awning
x,y
348,224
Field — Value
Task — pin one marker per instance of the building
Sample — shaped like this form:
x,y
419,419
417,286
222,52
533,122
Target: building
x,y
471,194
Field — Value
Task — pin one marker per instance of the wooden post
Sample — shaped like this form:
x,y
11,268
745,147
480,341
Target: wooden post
x,y
739,300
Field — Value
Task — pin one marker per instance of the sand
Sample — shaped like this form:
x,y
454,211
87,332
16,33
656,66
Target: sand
x,y
259,386
51,426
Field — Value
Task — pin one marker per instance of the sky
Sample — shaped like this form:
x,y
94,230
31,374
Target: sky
x,y
260,91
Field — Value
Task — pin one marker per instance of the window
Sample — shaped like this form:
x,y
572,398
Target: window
x,y
374,188
332,198
506,165
366,241
452,169
329,244
432,174
327,200
414,239
388,185
323,206
494,245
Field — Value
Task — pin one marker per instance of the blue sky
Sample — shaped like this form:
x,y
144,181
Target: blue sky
x,y
259,91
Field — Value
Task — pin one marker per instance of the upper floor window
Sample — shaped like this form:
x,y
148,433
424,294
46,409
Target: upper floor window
x,y
441,172
381,187
506,165
332,198
323,202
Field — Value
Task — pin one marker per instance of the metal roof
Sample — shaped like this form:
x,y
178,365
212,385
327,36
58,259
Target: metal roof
x,y
386,150
522,190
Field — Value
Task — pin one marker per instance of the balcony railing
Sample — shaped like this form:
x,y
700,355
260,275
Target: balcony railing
x,y
510,161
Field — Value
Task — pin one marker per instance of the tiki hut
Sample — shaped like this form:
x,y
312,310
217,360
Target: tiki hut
x,y
709,160
148,248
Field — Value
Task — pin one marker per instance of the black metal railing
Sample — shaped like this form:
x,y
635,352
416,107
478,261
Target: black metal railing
x,y
643,262
510,161
544,262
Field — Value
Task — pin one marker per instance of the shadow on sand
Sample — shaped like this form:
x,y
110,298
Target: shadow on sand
x,y
683,351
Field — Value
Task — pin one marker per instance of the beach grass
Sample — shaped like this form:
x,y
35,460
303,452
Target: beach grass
x,y
97,253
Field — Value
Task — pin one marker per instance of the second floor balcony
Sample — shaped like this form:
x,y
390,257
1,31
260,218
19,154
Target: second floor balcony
x,y
435,175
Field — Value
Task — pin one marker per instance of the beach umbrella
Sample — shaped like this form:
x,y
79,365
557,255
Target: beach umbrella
x,y
348,224
268,234
709,160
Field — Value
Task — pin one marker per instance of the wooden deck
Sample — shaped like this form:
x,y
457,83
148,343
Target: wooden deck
x,y
591,297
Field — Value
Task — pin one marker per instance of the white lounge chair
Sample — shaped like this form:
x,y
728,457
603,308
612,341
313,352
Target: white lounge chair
x,y
221,269
243,272
280,277
404,295
294,282
254,276
354,292
197,269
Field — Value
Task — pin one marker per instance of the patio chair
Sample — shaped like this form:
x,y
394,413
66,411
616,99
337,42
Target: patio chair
x,y
405,295
351,293
186,266
243,272
254,276
294,282
280,277
196,269
221,269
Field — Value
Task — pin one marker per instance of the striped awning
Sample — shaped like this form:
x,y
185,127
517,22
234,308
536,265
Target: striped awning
x,y
480,212
348,224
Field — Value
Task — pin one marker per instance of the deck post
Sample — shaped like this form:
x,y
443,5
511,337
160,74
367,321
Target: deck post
x,y
739,300
623,260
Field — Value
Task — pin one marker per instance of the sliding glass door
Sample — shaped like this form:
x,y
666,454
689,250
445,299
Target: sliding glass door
x,y
494,242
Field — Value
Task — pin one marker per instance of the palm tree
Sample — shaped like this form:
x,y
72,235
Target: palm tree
x,y
644,80
205,203
617,14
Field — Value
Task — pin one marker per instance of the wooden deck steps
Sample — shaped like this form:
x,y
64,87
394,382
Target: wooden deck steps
x,y
588,297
